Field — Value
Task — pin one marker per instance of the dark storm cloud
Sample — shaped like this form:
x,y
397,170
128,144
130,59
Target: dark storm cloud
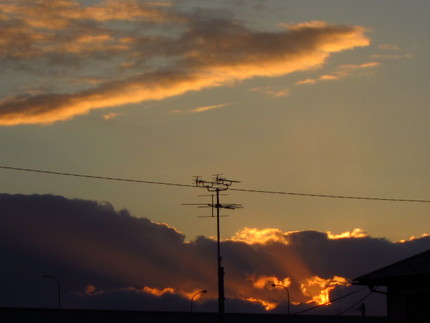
x,y
110,259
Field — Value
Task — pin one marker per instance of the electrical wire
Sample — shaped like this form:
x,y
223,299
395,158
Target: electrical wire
x,y
95,177
332,196
356,303
329,302
231,189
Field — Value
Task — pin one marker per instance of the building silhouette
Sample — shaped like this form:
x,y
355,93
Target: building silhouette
x,y
408,288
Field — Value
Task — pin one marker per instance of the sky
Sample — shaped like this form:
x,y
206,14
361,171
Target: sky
x,y
325,97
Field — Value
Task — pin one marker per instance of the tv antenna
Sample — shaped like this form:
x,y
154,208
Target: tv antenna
x,y
217,185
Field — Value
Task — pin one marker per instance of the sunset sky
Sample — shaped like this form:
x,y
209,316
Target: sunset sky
x,y
323,97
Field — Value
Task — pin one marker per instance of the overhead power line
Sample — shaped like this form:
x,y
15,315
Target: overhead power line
x,y
332,196
96,177
356,303
329,302
370,198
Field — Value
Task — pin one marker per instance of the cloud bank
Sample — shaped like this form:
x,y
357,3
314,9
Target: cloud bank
x,y
109,259
152,50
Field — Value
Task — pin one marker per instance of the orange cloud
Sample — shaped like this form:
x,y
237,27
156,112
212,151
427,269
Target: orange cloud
x,y
266,304
359,66
200,109
389,47
207,108
319,289
271,91
37,28
254,235
90,289
391,51
342,72
308,24
261,282
307,81
157,292
58,14
355,233
110,116
201,55
414,238
265,236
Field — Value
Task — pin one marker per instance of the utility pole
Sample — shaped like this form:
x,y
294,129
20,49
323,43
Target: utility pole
x,y
217,185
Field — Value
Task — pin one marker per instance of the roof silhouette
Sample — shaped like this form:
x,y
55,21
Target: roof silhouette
x,y
417,266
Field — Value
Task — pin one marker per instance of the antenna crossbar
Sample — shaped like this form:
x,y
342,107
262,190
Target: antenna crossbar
x,y
217,185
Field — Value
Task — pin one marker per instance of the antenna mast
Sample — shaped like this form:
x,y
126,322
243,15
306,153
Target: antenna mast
x,y
217,185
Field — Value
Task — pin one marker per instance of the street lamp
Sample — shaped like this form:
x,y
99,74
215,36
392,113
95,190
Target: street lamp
x,y
288,294
58,288
192,298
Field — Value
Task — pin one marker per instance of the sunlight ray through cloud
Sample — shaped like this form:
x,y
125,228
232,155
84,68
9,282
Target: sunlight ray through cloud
x,y
118,255
319,289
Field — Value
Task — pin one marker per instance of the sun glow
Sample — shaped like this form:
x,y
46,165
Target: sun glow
x,y
158,292
267,281
414,238
319,288
197,293
355,233
267,305
169,290
255,235
90,289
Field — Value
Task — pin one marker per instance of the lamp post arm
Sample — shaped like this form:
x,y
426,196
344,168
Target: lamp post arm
x,y
192,298
58,287
288,295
